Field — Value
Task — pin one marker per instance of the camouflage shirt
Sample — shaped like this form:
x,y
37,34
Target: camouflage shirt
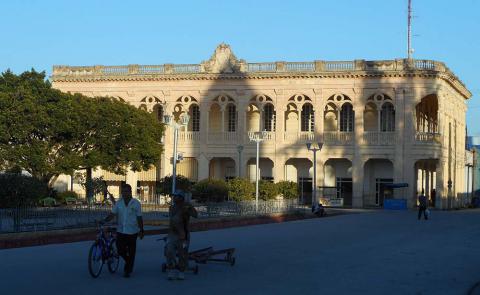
x,y
180,220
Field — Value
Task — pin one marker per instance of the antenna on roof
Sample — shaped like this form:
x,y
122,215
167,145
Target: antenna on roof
x,y
409,34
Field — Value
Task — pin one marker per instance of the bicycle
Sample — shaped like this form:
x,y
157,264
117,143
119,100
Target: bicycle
x,y
103,250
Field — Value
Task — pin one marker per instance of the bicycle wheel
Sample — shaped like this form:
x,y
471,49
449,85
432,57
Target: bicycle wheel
x,y
113,260
95,261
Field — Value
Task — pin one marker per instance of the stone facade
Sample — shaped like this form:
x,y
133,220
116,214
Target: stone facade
x,y
400,121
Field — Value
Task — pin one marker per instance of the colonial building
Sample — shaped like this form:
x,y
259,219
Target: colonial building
x,y
380,122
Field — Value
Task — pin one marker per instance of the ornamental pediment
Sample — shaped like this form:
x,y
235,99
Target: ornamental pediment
x,y
223,61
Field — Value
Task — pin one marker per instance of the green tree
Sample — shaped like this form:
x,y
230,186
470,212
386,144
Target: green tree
x,y
240,189
20,190
47,132
32,120
116,136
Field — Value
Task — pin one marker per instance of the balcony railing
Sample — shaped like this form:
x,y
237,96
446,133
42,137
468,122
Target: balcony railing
x,y
428,137
378,138
223,137
269,136
303,136
188,136
338,137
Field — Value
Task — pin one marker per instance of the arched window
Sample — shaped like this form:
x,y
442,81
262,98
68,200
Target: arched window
x,y
269,118
387,117
232,118
308,118
158,110
195,117
347,118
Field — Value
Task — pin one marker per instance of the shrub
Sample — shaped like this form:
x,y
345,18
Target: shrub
x,y
164,186
267,190
48,202
20,190
240,189
210,190
288,189
67,197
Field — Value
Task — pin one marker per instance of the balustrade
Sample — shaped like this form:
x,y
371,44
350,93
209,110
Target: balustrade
x,y
222,137
338,66
188,136
303,136
378,138
300,66
428,137
262,67
267,67
338,137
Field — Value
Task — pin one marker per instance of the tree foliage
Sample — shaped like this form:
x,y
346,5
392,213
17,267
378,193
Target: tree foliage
x,y
20,190
47,132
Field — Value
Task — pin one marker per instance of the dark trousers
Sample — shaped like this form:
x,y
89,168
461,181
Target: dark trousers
x,y
127,246
424,210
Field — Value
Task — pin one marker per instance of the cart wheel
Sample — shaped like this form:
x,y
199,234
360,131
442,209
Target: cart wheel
x,y
232,261
164,267
195,270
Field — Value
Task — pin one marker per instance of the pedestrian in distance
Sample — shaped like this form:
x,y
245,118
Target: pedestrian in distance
x,y
129,226
178,239
422,206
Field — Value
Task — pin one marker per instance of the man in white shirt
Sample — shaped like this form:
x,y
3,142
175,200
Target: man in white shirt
x,y
129,226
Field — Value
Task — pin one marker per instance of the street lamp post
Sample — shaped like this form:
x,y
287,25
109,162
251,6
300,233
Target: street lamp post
x,y
257,137
239,149
168,120
314,149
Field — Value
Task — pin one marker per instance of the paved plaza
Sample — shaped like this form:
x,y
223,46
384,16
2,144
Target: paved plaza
x,y
374,252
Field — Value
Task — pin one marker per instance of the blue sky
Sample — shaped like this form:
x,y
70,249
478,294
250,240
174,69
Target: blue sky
x,y
40,34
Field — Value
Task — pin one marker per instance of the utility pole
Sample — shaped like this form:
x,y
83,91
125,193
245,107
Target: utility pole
x,y
409,30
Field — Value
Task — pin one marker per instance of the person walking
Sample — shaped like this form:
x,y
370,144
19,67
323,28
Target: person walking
x,y
422,206
178,238
129,226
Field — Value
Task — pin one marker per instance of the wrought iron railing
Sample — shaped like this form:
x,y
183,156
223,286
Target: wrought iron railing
x,y
30,219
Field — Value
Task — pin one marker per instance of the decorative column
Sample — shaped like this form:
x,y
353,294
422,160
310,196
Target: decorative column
x,y
279,169
318,112
358,160
399,143
440,199
203,166
223,136
358,180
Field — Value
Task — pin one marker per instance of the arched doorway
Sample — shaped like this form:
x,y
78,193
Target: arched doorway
x,y
265,169
299,170
222,168
377,174
338,173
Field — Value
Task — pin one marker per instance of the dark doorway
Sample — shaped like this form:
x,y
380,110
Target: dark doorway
x,y
344,190
305,186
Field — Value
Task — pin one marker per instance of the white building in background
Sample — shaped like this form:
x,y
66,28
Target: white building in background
x,y
388,121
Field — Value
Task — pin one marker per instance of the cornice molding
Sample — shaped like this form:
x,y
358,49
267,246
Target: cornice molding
x,y
450,79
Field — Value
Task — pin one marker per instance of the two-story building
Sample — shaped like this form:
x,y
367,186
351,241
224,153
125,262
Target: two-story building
x,y
387,121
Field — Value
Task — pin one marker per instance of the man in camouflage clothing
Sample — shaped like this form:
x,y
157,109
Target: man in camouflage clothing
x,y
179,236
